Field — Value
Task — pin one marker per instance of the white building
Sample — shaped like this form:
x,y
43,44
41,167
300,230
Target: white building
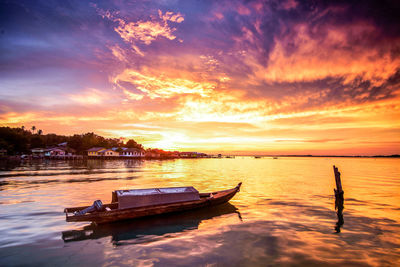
x,y
132,152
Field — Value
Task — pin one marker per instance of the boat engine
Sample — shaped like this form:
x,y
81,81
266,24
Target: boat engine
x,y
97,206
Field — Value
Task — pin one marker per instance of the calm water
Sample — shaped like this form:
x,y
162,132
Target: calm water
x,y
284,214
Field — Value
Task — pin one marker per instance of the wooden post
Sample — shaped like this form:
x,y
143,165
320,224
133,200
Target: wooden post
x,y
339,199
338,181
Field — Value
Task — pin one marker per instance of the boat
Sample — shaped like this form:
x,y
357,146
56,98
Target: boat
x,y
150,227
132,204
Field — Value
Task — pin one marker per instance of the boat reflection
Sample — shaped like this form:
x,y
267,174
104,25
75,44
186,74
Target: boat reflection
x,y
152,227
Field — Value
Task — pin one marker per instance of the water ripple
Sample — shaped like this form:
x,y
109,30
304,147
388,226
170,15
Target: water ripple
x,y
284,214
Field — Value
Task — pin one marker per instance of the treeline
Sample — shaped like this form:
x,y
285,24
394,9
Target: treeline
x,y
21,141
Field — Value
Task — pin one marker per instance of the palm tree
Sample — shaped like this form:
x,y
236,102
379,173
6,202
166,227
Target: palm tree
x,y
40,132
33,129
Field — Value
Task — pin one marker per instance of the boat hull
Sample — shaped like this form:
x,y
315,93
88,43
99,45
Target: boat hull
x,y
206,200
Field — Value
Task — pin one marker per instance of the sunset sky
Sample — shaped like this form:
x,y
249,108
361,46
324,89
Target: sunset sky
x,y
234,77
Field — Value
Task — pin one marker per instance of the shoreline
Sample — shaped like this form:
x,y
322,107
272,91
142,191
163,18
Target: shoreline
x,y
80,157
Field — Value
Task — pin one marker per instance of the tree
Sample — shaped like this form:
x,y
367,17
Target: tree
x,y
33,129
18,141
23,128
37,142
133,144
14,140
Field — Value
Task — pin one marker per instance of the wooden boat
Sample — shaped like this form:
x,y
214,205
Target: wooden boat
x,y
112,212
152,227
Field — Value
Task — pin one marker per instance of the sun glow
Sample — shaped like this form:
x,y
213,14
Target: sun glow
x,y
172,141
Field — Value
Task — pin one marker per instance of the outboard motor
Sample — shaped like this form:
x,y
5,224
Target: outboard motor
x,y
97,206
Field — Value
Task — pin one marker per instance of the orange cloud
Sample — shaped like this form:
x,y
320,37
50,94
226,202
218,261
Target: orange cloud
x,y
160,86
119,53
313,58
228,123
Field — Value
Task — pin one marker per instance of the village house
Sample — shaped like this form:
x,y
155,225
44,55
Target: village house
x,y
188,155
69,151
192,155
54,151
95,151
110,153
63,144
132,152
38,152
175,154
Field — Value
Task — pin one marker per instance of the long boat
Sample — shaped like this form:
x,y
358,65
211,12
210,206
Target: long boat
x,y
151,227
113,211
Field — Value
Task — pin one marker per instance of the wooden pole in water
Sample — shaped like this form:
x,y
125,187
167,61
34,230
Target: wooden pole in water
x,y
339,199
338,181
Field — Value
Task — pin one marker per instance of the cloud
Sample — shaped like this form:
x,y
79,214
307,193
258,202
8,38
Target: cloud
x,y
171,16
223,107
309,55
143,31
90,97
303,56
159,86
119,53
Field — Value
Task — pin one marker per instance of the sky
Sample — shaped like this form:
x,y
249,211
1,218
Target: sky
x,y
233,77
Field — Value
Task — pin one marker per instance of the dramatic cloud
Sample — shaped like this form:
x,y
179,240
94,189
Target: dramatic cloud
x,y
302,57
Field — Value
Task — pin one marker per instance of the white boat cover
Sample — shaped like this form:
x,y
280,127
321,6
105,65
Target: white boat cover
x,y
154,196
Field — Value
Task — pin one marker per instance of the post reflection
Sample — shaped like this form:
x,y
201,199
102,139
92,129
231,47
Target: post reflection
x,y
146,230
339,206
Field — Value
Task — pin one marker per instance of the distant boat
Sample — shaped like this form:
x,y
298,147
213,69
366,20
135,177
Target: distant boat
x,y
275,157
131,204
257,157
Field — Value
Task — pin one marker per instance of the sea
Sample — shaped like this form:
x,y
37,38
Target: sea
x,y
284,214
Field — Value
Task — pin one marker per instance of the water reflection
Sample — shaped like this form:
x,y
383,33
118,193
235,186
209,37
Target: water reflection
x,y
146,230
339,206
101,164
286,204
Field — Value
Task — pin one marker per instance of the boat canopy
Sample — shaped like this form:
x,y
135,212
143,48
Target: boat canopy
x,y
154,196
